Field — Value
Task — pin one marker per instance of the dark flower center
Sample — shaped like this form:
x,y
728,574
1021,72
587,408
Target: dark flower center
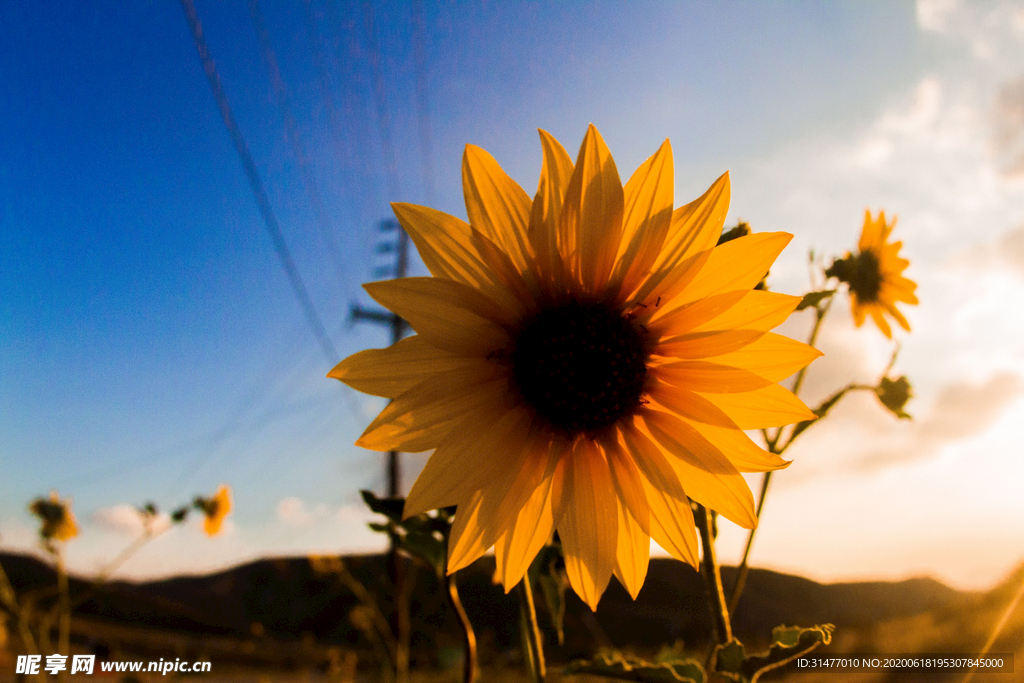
x,y
862,272
581,365
866,282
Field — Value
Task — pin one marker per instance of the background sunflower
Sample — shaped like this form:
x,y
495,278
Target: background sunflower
x,y
874,275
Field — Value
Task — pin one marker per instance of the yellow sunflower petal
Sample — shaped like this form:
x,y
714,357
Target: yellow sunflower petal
x,y
773,357
710,478
451,249
903,290
555,173
646,217
736,265
711,378
449,315
858,309
465,543
871,233
418,419
531,531
665,322
693,345
770,406
742,452
757,310
396,369
468,542
891,308
692,405
876,314
633,551
445,244
588,526
447,480
496,205
692,235
628,484
503,499
591,221
671,518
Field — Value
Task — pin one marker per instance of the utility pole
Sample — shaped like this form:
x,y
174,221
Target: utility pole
x,y
400,247
401,620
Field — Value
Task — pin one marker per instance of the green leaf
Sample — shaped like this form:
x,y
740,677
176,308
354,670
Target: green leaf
x,y
431,550
389,507
424,537
814,298
788,643
894,394
616,665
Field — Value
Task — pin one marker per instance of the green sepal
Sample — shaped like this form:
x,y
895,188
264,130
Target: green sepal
x,y
741,229
894,394
812,299
788,643
616,665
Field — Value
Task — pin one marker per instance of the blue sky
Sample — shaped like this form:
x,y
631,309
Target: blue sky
x,y
151,347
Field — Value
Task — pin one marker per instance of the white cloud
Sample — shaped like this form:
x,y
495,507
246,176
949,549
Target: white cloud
x,y
989,29
1008,127
292,510
934,15
126,520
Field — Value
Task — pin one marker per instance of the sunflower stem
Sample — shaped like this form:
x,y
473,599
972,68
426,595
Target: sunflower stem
x,y
709,565
64,624
533,642
14,606
820,313
744,568
468,634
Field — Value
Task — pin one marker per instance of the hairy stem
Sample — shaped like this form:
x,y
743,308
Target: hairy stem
x,y
744,568
468,634
64,625
533,642
403,617
709,565
10,599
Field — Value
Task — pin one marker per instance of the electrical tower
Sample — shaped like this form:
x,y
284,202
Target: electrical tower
x,y
399,246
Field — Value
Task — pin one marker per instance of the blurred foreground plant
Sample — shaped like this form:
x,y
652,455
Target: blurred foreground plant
x,y
57,526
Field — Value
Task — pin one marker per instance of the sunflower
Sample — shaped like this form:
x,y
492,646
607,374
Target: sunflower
x,y
583,363
875,275
215,509
58,522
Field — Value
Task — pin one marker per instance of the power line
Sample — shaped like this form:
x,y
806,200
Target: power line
x,y
345,56
398,328
383,117
269,219
295,140
341,146
422,100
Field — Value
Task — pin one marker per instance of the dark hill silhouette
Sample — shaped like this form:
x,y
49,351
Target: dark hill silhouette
x,y
284,599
